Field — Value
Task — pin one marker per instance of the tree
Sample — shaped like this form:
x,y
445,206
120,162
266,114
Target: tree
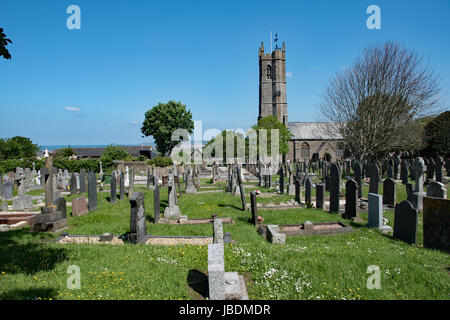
x,y
162,120
231,135
65,153
3,43
17,148
113,152
375,105
437,136
269,123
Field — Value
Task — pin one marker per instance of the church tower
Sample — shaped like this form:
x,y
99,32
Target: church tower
x,y
272,83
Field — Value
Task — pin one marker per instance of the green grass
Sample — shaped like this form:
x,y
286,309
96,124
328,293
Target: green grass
x,y
33,266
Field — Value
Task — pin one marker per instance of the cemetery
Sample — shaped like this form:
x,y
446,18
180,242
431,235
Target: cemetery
x,y
128,244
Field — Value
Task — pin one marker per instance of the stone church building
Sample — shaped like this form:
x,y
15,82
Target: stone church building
x,y
311,140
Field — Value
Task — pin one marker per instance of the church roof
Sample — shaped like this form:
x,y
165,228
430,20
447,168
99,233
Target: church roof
x,y
314,131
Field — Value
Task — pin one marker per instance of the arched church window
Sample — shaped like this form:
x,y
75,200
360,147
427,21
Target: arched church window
x,y
269,72
304,150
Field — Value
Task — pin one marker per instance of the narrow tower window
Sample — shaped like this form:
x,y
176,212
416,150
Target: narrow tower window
x,y
269,72
304,151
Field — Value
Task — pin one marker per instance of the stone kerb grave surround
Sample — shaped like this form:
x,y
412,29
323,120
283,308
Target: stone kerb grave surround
x,y
222,285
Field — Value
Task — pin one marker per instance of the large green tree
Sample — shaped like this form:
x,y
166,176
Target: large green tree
x,y
3,43
437,136
64,153
162,120
284,135
230,134
17,148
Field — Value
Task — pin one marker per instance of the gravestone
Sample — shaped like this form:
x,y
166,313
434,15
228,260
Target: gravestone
x,y
281,172
374,178
357,169
404,172
131,182
320,196
121,186
92,191
7,190
436,224
113,188
53,214
79,207
4,206
375,212
416,197
335,183
149,180
138,228
397,162
440,169
436,190
351,200
21,203
82,181
73,184
389,192
156,204
405,222
430,169
254,207
307,190
241,188
298,191
190,188
172,211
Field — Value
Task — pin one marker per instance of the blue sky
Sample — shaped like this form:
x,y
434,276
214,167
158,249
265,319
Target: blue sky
x,y
93,86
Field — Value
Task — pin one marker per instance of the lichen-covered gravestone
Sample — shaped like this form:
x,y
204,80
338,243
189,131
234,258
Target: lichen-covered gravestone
x,y
79,207
138,228
92,191
416,197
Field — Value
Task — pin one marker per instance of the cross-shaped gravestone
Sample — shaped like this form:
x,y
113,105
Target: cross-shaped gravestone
x,y
47,172
418,169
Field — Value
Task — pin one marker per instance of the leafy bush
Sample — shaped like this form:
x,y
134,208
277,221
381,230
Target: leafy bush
x,y
160,161
113,152
77,165
12,164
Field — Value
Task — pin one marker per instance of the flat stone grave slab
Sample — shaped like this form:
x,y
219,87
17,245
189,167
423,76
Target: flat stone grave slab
x,y
308,229
15,217
228,220
278,206
322,228
152,240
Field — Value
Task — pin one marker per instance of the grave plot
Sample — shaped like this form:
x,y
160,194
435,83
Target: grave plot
x,y
278,234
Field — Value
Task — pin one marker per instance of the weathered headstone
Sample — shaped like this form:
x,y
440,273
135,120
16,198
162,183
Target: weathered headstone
x,y
172,211
138,228
156,204
431,168
79,207
113,188
121,186
440,169
92,191
7,190
416,197
131,182
21,203
404,172
73,184
241,188
82,181
375,212
405,222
